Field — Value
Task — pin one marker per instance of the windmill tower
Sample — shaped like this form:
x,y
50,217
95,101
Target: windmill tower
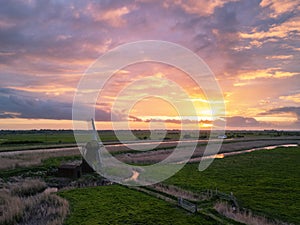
x,y
92,158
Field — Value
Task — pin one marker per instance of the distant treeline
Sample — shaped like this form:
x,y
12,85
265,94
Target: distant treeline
x,y
264,133
21,142
44,131
237,133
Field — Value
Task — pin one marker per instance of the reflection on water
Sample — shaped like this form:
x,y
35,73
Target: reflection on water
x,y
134,176
222,155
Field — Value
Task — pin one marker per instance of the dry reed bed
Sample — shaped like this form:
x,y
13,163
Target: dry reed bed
x,y
177,192
246,217
25,202
32,159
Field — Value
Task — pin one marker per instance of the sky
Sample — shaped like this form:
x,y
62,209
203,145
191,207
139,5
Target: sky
x,y
252,47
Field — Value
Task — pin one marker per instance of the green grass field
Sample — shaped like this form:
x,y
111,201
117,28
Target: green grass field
x,y
27,137
119,205
267,181
37,171
15,140
33,139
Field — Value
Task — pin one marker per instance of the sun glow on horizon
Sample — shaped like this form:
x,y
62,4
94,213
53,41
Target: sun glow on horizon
x,y
252,48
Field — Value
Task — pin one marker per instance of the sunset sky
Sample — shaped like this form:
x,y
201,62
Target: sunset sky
x,y
252,47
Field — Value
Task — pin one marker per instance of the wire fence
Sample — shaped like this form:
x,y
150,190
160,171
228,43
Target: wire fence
x,y
189,206
192,207
228,197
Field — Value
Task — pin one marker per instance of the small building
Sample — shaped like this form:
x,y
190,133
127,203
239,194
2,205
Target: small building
x,y
70,170
85,167
222,136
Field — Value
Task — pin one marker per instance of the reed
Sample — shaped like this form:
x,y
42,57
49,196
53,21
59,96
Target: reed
x,y
245,216
25,202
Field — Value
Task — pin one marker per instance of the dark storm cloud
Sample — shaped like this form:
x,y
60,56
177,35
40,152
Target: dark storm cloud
x,y
290,109
21,104
14,104
239,121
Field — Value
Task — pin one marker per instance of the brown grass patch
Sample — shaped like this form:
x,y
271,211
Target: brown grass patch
x,y
33,158
177,192
25,202
245,216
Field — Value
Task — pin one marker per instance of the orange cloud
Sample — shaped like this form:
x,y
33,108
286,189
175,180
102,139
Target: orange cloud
x,y
47,89
281,31
266,73
114,17
240,84
200,7
280,7
278,118
294,98
280,57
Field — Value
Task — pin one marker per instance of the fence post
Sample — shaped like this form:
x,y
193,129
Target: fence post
x,y
179,201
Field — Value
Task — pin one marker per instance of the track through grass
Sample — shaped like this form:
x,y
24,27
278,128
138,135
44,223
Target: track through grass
x,y
119,205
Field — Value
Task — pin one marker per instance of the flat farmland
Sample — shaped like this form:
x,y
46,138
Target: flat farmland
x,y
119,205
266,181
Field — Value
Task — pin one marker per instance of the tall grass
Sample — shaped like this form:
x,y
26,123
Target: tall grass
x,y
245,216
25,202
11,207
32,159
176,191
27,187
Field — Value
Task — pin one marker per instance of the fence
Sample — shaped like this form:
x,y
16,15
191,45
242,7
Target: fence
x,y
228,197
189,206
208,194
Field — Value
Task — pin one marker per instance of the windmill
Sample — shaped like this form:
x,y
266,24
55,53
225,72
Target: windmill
x,y
92,159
